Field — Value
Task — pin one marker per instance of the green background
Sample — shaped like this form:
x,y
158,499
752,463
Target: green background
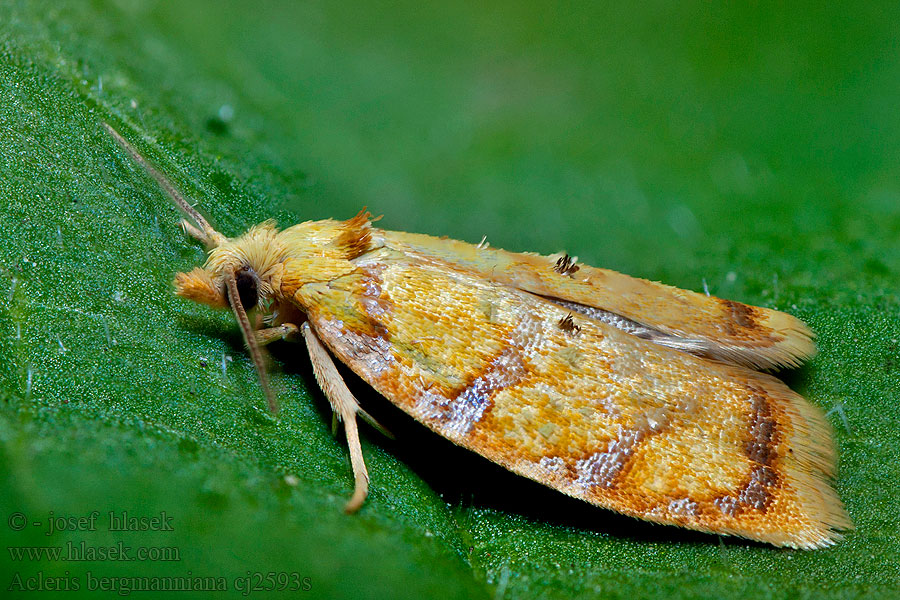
x,y
752,150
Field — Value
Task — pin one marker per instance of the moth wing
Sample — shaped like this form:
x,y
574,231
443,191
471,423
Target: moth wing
x,y
730,331
580,405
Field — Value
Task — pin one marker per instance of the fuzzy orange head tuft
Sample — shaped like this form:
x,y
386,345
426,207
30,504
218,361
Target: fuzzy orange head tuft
x,y
199,287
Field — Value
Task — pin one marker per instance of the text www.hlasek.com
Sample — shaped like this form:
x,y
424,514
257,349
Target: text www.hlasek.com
x,y
82,551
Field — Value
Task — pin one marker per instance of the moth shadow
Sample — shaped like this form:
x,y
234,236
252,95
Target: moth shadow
x,y
212,328
289,358
796,378
209,327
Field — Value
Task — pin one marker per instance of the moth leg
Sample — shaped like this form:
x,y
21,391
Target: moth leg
x,y
345,407
287,331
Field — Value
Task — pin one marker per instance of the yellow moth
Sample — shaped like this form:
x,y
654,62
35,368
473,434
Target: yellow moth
x,y
628,394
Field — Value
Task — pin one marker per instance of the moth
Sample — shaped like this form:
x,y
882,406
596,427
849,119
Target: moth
x,y
631,395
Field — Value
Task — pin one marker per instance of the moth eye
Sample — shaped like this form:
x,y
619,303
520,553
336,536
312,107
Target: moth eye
x,y
247,290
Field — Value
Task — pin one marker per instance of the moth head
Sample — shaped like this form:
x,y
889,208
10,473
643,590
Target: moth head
x,y
240,273
253,261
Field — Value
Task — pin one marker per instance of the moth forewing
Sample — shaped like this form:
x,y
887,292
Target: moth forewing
x,y
586,380
747,335
594,412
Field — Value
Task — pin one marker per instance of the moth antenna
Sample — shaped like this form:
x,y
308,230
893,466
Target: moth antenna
x,y
250,339
204,232
192,231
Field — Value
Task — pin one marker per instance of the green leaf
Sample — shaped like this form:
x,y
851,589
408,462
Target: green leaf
x,y
751,151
